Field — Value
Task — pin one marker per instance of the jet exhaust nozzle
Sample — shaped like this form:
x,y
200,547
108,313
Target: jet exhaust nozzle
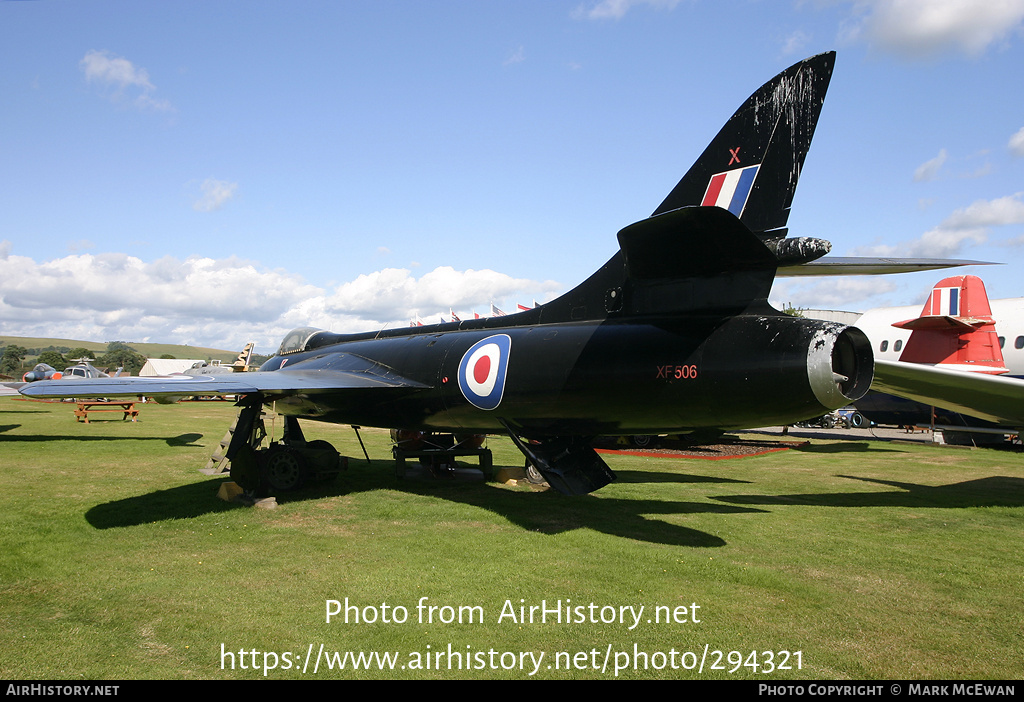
x,y
840,365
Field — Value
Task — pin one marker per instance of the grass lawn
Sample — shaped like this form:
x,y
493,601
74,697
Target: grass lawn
x,y
858,559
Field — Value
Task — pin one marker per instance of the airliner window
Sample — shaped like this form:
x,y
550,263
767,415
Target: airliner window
x,y
898,345
1002,341
1018,343
885,346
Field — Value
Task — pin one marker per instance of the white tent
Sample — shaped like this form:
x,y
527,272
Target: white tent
x,y
167,366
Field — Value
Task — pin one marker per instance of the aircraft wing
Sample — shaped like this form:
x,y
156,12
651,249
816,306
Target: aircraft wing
x,y
995,398
847,265
343,372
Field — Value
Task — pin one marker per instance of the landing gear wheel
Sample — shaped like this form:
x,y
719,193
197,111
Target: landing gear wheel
x,y
324,460
534,475
284,469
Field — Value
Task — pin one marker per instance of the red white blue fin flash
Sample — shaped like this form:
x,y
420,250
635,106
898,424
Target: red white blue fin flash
x,y
729,190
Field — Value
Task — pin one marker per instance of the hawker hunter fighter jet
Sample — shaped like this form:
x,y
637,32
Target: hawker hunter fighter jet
x,y
674,333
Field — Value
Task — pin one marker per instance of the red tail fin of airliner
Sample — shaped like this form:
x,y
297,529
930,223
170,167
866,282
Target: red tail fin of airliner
x,y
956,329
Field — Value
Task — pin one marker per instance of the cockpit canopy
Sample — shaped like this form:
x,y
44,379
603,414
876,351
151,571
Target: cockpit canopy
x,y
298,340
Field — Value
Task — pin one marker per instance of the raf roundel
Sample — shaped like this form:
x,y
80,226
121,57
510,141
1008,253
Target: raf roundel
x,y
482,371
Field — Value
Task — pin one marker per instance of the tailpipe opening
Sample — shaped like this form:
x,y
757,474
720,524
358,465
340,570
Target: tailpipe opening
x,y
840,366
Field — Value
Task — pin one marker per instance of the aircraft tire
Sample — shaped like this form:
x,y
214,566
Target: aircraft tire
x,y
326,461
284,469
857,419
534,475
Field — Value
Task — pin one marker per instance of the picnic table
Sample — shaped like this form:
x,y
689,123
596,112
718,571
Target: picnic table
x,y
87,406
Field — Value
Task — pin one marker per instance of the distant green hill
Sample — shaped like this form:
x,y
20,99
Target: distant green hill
x,y
35,345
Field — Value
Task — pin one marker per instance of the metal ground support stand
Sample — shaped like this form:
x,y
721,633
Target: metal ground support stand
x,y
439,451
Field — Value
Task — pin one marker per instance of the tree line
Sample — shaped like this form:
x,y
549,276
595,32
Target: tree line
x,y
118,355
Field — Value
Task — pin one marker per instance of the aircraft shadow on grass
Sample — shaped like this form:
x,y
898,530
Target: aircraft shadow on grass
x,y
189,439
544,512
846,447
994,491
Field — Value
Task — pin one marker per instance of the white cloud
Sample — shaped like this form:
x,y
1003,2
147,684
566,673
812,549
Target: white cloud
x,y
120,74
102,67
617,9
979,172
842,293
929,169
80,245
226,302
1016,143
933,168
988,213
969,224
517,56
922,28
215,194
794,43
379,294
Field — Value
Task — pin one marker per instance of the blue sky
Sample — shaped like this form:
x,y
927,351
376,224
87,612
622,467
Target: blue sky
x,y
211,173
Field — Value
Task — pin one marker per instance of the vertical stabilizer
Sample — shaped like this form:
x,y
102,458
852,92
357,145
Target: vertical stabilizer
x,y
244,359
752,166
691,256
956,329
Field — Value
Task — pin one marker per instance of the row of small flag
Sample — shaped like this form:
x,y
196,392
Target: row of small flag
x,y
495,312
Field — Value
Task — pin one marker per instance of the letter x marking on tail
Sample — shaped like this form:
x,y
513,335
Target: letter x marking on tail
x,y
735,155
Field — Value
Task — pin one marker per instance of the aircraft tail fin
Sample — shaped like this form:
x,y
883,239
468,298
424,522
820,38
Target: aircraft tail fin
x,y
956,329
244,358
752,166
715,242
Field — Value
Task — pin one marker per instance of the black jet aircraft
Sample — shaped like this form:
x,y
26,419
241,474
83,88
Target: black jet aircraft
x,y
674,333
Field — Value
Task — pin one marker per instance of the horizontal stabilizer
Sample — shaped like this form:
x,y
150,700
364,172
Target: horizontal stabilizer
x,y
853,265
942,323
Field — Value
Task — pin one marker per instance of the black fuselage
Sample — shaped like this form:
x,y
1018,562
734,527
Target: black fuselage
x,y
654,375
